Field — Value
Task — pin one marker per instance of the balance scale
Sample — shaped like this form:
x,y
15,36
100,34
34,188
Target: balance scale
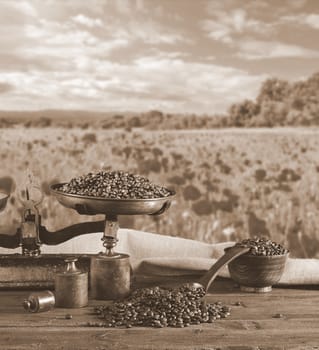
x,y
109,271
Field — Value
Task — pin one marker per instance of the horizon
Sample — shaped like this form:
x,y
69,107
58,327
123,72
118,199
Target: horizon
x,y
180,57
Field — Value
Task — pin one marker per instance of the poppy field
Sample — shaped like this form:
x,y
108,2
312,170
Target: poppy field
x,y
230,183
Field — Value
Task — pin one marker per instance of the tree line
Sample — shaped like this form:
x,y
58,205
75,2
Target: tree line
x,y
278,103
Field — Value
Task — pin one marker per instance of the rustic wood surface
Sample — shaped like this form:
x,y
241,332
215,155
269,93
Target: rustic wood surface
x,y
252,324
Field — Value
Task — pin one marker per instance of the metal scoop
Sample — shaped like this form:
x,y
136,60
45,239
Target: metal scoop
x,y
208,278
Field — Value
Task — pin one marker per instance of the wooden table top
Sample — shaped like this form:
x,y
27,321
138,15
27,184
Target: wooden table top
x,y
253,324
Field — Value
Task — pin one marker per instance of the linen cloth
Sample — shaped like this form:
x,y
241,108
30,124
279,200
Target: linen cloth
x,y
154,254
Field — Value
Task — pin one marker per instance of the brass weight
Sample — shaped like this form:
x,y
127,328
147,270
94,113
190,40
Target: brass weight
x,y
71,286
39,301
110,276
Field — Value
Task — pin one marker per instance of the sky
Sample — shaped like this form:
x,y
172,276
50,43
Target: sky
x,y
178,56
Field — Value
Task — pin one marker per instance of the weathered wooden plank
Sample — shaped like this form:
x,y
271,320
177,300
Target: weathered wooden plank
x,y
301,326
287,320
250,326
253,307
197,338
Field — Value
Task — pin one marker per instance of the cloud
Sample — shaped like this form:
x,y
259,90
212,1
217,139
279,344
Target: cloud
x,y
159,81
137,55
297,4
225,25
24,7
311,20
82,35
148,31
87,21
5,87
66,41
257,50
124,6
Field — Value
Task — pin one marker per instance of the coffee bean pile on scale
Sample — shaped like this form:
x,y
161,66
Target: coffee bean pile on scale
x,y
161,307
114,185
260,246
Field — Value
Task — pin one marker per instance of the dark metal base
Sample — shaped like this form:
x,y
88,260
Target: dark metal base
x,y
256,289
23,272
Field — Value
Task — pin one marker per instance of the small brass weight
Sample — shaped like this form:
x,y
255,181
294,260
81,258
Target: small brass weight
x,y
71,286
39,301
110,272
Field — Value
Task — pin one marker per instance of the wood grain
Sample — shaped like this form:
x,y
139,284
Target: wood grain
x,y
252,324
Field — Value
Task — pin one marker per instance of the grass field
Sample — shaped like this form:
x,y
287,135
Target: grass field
x,y
230,183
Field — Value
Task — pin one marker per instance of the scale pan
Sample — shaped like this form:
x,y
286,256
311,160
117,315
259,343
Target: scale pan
x,y
89,205
3,200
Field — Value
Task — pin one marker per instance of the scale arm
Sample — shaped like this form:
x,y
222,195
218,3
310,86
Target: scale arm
x,y
63,235
11,241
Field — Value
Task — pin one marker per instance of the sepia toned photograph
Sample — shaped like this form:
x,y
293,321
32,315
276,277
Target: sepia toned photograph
x,y
159,178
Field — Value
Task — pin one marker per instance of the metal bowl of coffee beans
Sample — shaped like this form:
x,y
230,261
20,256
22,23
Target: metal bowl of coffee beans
x,y
113,193
261,267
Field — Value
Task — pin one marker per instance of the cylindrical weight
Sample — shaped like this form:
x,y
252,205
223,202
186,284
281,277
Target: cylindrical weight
x,y
110,276
71,286
39,302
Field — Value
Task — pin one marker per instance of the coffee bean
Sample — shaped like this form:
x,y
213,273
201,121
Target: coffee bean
x,y
162,307
115,185
261,246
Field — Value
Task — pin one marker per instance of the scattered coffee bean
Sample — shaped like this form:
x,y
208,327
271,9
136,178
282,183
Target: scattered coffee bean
x,y
238,303
68,316
114,185
162,307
